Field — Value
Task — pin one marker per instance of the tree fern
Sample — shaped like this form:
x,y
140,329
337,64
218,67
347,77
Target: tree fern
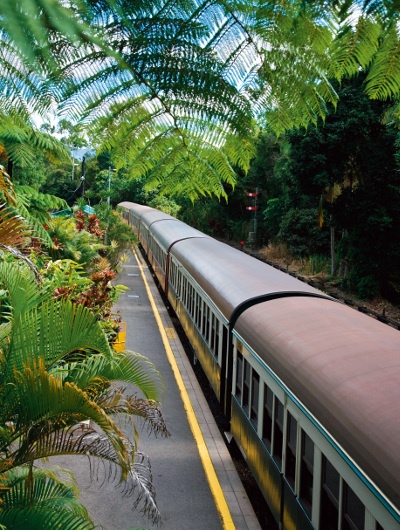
x,y
383,78
21,139
180,69
21,86
186,156
354,48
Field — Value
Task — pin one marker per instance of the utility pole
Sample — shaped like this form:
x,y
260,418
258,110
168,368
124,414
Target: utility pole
x,y
108,202
109,187
73,168
83,177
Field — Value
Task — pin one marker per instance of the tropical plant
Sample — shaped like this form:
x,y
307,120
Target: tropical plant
x,y
118,235
20,139
71,243
56,367
67,280
51,502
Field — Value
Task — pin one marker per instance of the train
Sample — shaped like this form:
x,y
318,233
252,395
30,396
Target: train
x,y
310,386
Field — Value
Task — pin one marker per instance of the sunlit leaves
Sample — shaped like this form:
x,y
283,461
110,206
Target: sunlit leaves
x,y
383,78
194,72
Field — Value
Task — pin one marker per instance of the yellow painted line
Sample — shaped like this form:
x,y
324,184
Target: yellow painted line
x,y
211,475
171,333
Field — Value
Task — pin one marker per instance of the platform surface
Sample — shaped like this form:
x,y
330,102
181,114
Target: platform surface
x,y
197,486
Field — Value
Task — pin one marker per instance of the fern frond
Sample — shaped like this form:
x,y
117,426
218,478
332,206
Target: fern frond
x,y
354,49
383,79
21,139
36,208
20,86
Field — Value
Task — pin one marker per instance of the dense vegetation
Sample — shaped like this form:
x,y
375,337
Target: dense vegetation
x,y
334,183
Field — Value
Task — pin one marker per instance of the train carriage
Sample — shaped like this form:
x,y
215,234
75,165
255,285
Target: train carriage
x,y
335,377
310,386
132,213
163,237
218,282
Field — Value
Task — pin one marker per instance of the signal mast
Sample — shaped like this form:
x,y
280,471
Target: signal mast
x,y
253,208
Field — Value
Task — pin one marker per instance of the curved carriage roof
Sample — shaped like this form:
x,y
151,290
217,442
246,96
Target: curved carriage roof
x,y
147,214
137,209
231,278
169,232
344,367
152,216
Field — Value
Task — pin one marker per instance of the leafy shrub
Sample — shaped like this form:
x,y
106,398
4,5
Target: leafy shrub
x,y
273,214
299,230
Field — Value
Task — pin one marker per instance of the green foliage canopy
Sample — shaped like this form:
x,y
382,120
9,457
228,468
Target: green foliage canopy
x,y
170,85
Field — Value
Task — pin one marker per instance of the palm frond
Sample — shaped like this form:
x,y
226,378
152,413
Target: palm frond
x,y
40,404
49,503
54,331
134,477
116,402
21,287
127,367
6,186
14,231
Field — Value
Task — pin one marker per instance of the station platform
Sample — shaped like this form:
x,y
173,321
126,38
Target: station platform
x,y
197,485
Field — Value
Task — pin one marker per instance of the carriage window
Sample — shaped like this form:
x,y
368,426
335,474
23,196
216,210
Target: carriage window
x,y
329,496
246,386
190,300
255,386
278,432
239,375
198,311
179,285
208,319
291,437
184,287
224,339
306,472
188,297
213,332
353,510
216,336
267,419
203,324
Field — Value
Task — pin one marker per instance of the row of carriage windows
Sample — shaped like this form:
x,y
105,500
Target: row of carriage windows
x,y
199,311
340,506
158,254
